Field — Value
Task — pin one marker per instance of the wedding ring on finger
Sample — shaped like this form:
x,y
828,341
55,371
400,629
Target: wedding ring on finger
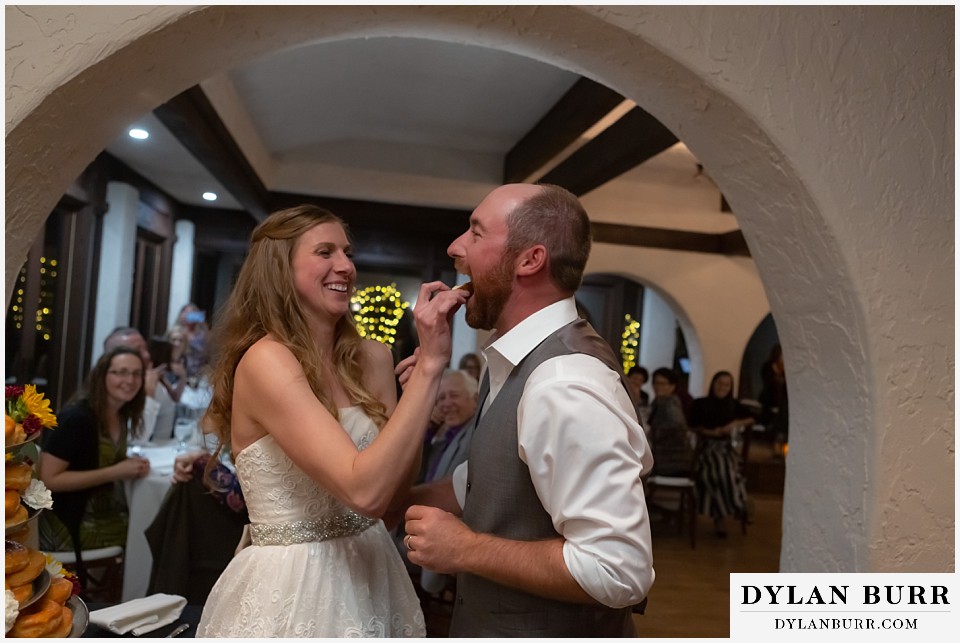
x,y
406,541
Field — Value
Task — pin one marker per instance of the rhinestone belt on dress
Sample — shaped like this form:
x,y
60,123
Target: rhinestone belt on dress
x,y
308,531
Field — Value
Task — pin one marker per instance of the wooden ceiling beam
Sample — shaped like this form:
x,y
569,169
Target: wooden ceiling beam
x,y
734,243
388,216
633,139
191,118
585,103
730,243
637,136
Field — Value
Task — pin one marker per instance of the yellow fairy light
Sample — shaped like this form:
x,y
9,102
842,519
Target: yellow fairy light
x,y
631,335
378,309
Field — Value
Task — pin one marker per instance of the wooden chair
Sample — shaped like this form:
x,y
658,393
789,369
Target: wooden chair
x,y
192,540
100,571
682,490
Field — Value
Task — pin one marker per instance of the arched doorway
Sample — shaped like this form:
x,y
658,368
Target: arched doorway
x,y
53,136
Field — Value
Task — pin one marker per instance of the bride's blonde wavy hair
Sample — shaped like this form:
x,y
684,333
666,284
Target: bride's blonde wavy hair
x,y
263,302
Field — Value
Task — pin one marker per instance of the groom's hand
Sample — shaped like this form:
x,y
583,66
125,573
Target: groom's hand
x,y
437,540
404,369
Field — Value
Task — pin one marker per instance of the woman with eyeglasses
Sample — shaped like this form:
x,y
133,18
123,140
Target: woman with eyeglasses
x,y
84,461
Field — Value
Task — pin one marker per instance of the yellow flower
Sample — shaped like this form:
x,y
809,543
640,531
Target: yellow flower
x,y
37,405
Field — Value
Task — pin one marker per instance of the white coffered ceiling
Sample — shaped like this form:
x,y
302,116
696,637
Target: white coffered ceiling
x,y
406,121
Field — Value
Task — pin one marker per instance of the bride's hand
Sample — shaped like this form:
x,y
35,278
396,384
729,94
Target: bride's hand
x,y
433,315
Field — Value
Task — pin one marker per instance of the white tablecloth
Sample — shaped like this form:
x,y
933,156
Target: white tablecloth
x,y
144,497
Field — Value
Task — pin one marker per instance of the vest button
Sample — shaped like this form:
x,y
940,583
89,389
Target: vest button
x,y
459,600
468,486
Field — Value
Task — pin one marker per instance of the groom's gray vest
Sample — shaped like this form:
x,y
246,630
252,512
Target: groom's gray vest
x,y
501,500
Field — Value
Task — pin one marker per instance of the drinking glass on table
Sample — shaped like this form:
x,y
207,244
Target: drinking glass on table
x,y
183,431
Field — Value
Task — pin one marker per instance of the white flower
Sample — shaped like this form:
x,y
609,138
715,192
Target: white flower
x,y
53,565
11,609
37,495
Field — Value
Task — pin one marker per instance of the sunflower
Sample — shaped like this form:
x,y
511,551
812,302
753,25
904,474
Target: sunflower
x,y
38,406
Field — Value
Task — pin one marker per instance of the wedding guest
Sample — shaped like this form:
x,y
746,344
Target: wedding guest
x,y
160,405
189,339
457,401
84,461
547,517
320,443
721,488
470,363
669,436
637,377
775,415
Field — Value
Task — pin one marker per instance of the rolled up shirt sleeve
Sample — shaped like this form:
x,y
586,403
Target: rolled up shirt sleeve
x,y
579,436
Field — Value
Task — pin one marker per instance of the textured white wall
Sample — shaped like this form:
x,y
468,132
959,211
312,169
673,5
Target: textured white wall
x,y
718,301
829,129
860,101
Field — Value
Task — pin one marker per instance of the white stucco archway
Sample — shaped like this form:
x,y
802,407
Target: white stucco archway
x,y
825,186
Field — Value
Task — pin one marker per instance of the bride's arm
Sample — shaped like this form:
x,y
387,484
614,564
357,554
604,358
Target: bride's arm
x,y
271,393
380,380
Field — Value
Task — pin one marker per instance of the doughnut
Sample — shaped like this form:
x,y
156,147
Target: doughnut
x,y
60,590
26,575
18,475
467,287
40,619
66,624
22,592
11,502
18,516
17,557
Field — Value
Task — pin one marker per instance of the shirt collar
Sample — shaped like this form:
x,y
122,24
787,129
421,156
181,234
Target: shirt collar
x,y
502,353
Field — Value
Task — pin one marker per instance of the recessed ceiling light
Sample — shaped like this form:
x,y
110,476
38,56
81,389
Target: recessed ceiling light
x,y
138,133
209,196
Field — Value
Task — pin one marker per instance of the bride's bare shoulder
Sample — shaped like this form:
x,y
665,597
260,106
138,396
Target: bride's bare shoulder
x,y
268,353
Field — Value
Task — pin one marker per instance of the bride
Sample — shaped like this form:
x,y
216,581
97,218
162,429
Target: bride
x,y
320,443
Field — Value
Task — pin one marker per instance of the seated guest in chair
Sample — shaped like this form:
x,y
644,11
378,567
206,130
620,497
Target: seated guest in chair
x,y
84,462
457,402
636,378
159,408
669,437
194,534
720,484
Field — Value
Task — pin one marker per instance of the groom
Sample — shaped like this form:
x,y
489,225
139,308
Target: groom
x,y
554,538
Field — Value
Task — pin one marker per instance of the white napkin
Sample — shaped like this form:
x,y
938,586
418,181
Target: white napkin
x,y
140,615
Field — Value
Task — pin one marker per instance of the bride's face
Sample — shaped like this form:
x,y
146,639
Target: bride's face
x,y
323,271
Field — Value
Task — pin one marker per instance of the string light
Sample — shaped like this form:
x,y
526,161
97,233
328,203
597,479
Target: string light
x,y
377,311
45,301
629,343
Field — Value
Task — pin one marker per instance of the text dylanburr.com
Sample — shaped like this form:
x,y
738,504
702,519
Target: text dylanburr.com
x,y
848,607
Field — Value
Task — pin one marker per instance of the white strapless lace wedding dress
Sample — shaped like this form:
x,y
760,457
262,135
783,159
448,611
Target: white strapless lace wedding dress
x,y
320,570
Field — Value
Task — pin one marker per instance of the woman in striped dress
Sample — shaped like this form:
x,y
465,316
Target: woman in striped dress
x,y
720,484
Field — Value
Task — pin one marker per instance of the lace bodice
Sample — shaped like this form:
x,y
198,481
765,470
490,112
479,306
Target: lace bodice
x,y
277,491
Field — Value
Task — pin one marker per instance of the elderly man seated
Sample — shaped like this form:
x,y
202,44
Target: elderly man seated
x,y
456,405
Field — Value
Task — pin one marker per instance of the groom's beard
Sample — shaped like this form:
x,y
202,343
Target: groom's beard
x,y
490,295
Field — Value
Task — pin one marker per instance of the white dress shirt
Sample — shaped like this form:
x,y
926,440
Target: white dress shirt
x,y
587,480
